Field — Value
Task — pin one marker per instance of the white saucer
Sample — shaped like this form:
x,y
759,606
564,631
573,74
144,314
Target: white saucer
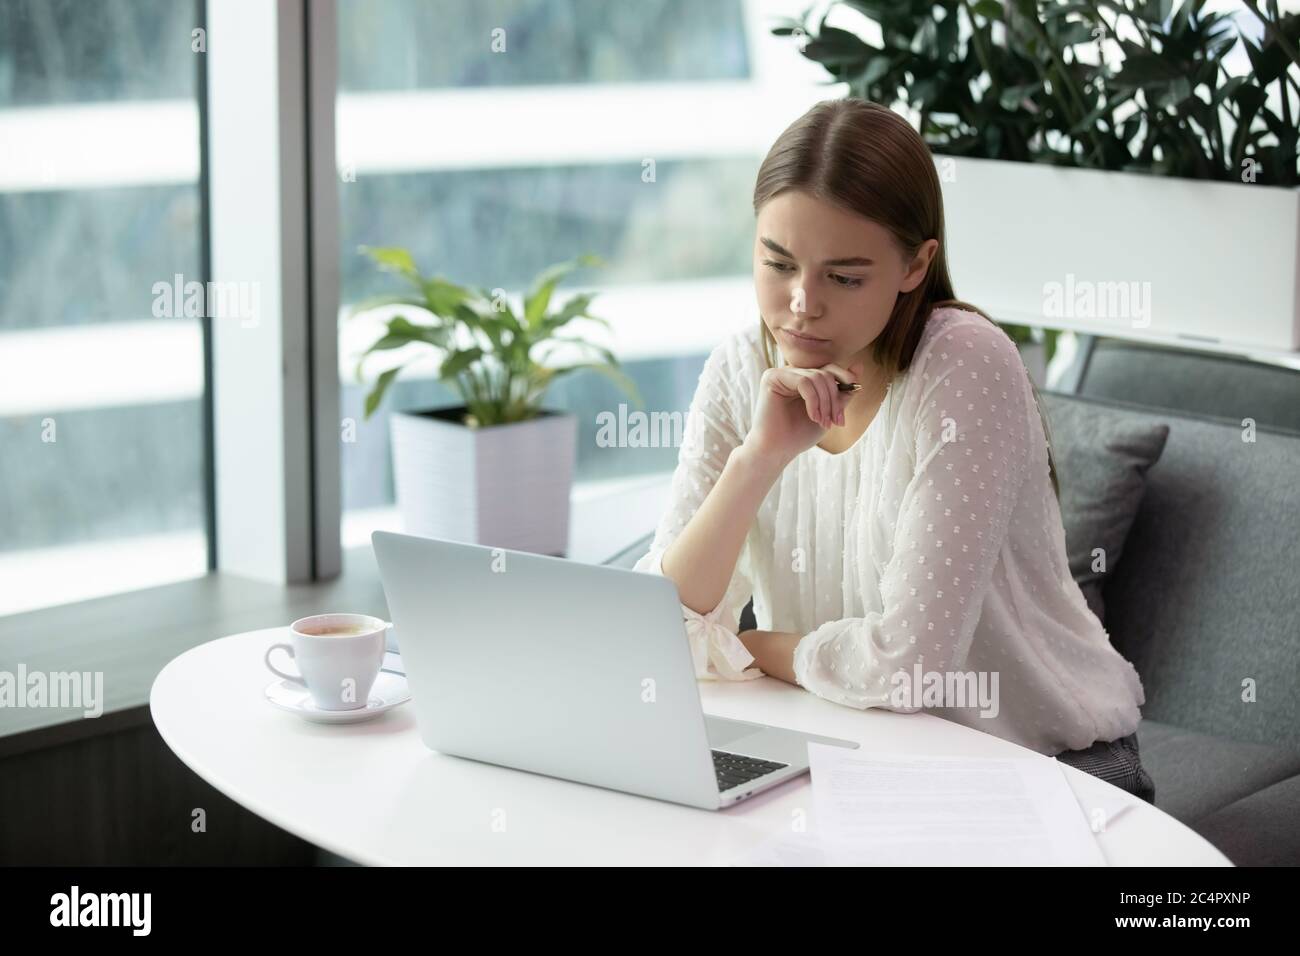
x,y
389,691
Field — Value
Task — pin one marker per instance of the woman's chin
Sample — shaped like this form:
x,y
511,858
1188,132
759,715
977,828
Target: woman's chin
x,y
806,358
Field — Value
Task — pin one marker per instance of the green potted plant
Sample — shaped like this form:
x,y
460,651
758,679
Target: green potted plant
x,y
1102,170
497,468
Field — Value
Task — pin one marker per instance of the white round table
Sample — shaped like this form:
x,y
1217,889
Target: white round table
x,y
373,793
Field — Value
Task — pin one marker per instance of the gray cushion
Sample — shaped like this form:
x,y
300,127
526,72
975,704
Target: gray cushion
x,y
1198,774
1101,463
1206,603
1262,829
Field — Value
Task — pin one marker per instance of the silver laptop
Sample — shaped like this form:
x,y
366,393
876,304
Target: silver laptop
x,y
570,670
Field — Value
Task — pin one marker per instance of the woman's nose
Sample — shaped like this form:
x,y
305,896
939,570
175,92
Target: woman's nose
x,y
801,303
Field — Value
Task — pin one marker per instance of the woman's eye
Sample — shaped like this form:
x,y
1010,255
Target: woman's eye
x,y
846,282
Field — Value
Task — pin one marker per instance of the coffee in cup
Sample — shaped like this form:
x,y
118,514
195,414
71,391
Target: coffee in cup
x,y
333,630
338,657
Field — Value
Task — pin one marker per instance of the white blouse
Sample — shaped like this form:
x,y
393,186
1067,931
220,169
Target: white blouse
x,y
925,566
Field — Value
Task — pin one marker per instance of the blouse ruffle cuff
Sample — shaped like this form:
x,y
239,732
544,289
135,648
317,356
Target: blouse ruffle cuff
x,y
717,652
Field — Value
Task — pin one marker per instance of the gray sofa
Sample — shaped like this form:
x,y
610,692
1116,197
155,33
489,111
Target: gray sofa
x,y
1205,602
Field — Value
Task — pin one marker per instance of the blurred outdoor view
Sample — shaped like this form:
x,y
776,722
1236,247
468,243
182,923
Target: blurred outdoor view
x,y
489,164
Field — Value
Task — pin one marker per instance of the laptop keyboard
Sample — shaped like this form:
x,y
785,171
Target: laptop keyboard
x,y
734,769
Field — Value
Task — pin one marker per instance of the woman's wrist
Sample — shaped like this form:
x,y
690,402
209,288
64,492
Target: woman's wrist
x,y
773,652
758,462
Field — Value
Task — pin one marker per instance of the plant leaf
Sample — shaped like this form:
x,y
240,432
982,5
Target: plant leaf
x,y
381,386
835,47
539,298
458,361
441,297
392,259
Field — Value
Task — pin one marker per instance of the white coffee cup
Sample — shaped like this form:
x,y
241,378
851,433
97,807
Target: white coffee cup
x,y
338,657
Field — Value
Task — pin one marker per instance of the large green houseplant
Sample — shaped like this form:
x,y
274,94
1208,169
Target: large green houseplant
x,y
1135,86
496,469
1042,93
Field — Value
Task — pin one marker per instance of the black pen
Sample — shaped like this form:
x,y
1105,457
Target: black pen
x,y
847,386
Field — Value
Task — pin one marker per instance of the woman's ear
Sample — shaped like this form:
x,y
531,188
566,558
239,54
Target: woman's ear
x,y
920,265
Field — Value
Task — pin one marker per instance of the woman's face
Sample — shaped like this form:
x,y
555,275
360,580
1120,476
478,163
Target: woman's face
x,y
830,274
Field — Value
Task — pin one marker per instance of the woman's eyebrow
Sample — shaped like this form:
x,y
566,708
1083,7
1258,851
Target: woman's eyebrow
x,y
851,261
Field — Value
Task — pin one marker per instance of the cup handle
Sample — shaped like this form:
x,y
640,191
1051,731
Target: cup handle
x,y
288,648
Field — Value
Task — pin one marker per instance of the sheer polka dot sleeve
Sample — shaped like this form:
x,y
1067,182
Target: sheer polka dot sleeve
x,y
970,403
712,430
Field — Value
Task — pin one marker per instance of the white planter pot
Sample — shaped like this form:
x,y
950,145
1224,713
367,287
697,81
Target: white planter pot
x,y
505,486
1125,254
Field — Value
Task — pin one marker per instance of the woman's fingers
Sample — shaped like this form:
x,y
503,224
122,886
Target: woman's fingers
x,y
782,382
830,396
841,400
830,403
840,372
812,398
823,400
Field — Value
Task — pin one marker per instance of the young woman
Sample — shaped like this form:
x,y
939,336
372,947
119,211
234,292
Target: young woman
x,y
905,534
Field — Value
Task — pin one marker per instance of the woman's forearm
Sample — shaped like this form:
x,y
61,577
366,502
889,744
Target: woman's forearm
x,y
702,559
773,652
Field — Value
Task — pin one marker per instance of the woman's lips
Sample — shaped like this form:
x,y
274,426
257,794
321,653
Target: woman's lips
x,y
803,339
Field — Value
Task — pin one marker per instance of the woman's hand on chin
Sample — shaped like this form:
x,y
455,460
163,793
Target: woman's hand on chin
x,y
795,408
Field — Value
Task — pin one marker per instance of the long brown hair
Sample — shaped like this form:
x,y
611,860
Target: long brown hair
x,y
868,159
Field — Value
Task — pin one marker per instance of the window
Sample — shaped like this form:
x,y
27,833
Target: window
x,y
494,139
101,376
